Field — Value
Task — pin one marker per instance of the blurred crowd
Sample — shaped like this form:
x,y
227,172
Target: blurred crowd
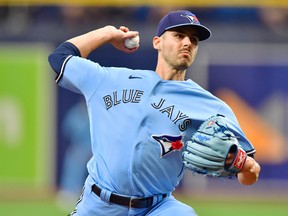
x,y
54,23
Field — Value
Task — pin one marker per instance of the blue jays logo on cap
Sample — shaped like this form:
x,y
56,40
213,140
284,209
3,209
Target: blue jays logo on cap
x,y
168,143
192,18
183,18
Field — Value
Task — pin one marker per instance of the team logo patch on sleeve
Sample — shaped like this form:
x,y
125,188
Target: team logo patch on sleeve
x,y
168,143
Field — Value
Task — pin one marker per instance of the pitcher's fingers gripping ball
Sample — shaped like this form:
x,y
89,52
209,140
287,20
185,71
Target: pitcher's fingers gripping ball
x,y
207,152
132,43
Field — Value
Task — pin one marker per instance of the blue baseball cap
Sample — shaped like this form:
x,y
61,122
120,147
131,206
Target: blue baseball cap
x,y
182,18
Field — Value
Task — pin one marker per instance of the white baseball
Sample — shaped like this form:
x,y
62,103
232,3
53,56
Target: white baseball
x,y
131,43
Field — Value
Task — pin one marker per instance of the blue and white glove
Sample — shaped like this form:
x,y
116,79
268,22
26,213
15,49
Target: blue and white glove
x,y
208,150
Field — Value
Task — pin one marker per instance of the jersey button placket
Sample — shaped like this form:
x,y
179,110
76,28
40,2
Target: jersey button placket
x,y
137,148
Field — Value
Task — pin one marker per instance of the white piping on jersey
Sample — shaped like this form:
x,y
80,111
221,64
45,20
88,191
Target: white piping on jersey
x,y
62,69
253,151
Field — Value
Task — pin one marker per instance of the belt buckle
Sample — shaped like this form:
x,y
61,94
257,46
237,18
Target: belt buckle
x,y
131,201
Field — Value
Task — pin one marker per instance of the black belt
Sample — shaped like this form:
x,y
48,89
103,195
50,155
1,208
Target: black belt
x,y
127,201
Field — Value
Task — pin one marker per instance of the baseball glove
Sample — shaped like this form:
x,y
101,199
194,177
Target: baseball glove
x,y
208,150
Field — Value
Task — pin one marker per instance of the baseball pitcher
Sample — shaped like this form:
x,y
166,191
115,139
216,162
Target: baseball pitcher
x,y
148,127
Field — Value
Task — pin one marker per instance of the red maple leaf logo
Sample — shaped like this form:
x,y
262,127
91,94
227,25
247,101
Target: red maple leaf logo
x,y
177,145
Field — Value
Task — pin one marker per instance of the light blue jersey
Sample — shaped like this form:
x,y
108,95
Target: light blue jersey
x,y
139,123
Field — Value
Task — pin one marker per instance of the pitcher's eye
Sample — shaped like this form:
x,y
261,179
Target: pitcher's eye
x,y
194,40
179,36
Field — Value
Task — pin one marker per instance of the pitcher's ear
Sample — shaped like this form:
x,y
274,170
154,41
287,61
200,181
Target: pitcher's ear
x,y
156,42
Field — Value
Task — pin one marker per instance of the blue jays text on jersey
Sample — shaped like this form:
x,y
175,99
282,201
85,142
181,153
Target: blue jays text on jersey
x,y
172,114
125,96
134,96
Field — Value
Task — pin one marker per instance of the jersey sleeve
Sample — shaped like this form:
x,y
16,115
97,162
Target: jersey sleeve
x,y
81,76
233,124
60,54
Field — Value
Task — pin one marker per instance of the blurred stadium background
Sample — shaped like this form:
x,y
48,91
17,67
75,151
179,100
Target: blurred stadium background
x,y
244,63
